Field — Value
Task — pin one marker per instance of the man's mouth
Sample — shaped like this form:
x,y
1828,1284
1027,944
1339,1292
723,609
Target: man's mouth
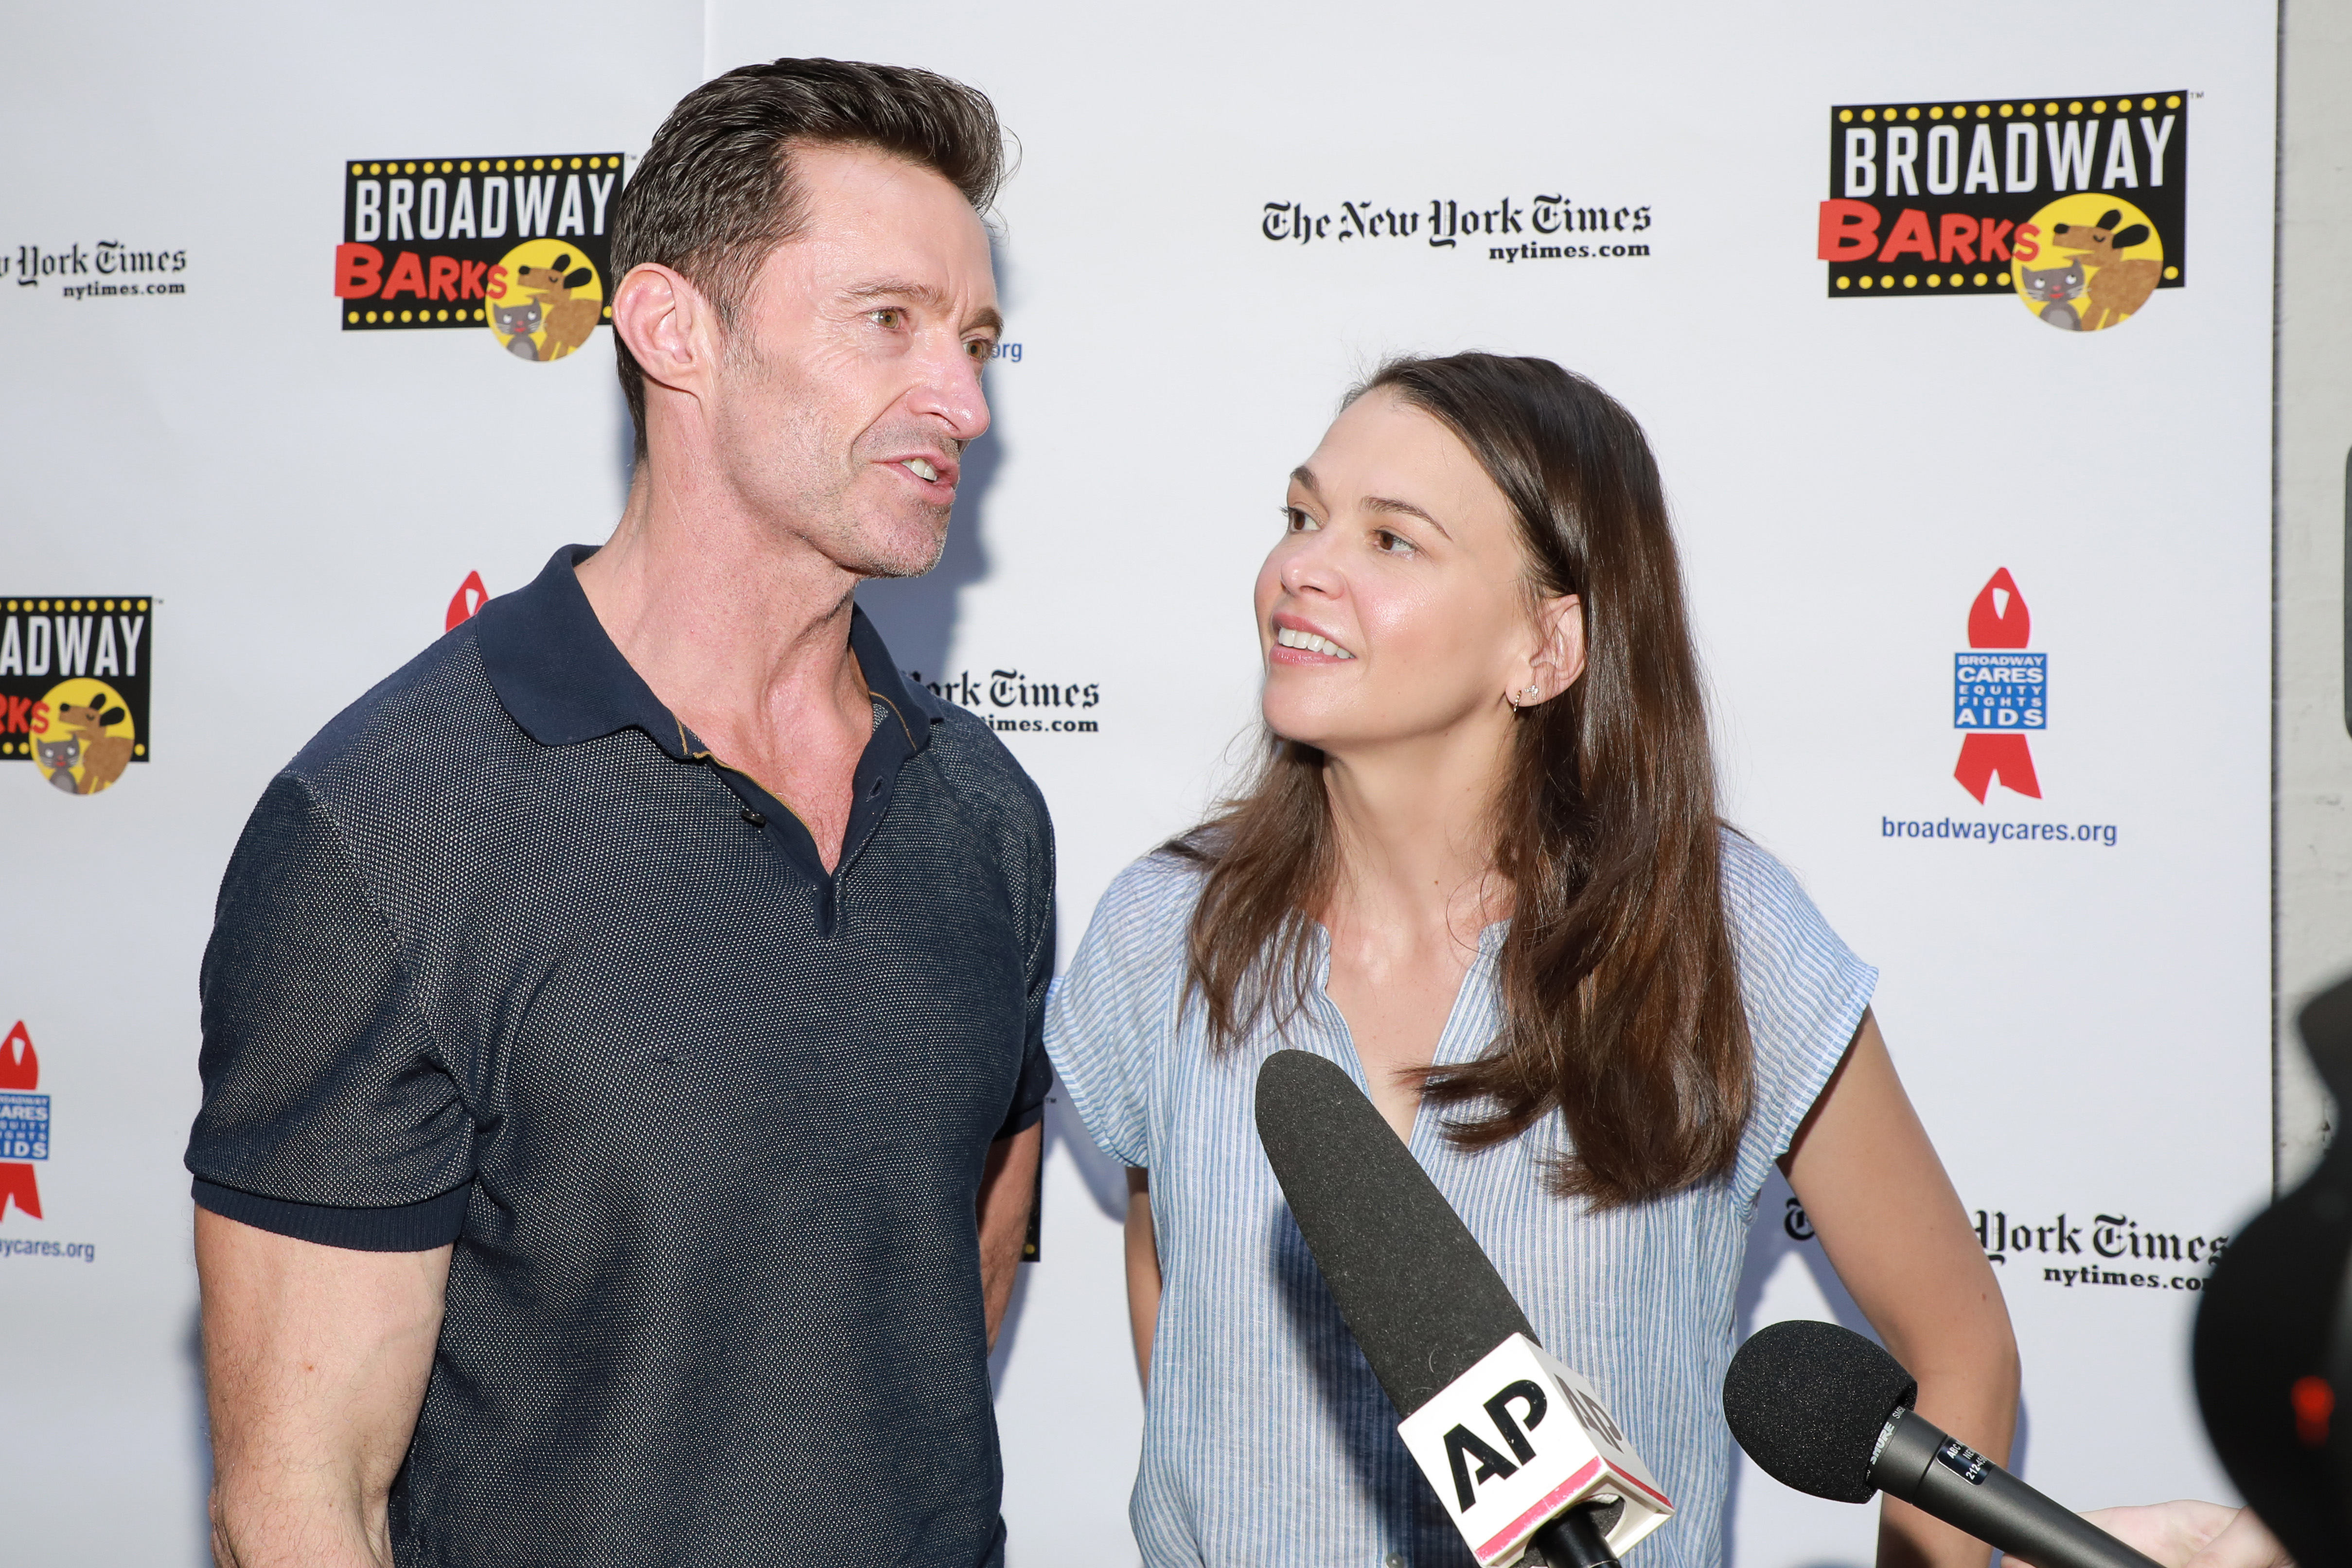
x,y
921,469
1312,644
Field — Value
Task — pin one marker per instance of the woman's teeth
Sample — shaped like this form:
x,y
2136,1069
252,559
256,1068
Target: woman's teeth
x,y
920,469
1310,642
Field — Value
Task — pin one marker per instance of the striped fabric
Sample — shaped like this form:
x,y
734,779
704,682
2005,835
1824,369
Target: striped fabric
x,y
1266,1439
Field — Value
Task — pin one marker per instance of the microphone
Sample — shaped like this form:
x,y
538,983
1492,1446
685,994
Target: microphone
x,y
1520,1450
1826,1411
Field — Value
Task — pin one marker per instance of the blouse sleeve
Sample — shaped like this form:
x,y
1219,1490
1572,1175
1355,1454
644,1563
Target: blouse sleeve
x,y
1112,1015
1805,993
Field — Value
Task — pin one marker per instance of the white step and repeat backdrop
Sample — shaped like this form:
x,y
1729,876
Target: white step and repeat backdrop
x,y
1976,528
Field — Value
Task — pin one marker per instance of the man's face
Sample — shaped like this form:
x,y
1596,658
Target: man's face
x,y
850,382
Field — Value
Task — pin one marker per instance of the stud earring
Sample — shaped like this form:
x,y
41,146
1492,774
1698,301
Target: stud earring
x,y
1524,697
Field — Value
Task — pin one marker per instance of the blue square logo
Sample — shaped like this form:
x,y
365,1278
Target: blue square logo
x,y
24,1126
1996,690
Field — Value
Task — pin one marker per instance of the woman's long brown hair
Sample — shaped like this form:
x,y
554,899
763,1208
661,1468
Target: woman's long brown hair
x,y
1620,1001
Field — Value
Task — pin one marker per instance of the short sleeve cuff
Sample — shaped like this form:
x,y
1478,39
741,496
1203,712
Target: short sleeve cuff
x,y
411,1227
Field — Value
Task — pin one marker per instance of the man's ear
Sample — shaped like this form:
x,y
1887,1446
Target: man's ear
x,y
1558,658
669,327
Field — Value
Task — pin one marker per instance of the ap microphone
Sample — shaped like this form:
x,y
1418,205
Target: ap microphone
x,y
1520,1449
1823,1409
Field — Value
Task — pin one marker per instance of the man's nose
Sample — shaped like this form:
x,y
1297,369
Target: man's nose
x,y
950,389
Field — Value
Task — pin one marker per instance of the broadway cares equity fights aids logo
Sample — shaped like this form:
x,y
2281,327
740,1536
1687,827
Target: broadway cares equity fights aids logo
x,y
2075,206
24,1123
73,688
2001,693
521,246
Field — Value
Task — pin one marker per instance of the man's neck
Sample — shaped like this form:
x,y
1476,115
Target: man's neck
x,y
742,630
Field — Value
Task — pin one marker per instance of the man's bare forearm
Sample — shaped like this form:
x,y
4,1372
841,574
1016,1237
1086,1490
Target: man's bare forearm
x,y
316,1360
1008,1186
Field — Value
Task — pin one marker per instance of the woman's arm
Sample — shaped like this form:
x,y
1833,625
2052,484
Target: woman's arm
x,y
1895,1232
1142,1270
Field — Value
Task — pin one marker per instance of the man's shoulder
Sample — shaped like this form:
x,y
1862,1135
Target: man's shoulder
x,y
415,730
982,772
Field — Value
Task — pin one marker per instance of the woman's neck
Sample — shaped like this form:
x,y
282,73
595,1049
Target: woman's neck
x,y
1415,839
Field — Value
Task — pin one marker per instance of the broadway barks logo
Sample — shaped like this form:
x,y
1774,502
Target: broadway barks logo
x,y
2076,206
519,245
24,1123
2001,693
73,688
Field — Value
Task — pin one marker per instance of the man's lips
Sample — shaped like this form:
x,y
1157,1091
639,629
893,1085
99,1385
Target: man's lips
x,y
933,471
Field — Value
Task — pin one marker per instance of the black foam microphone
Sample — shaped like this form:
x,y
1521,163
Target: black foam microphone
x,y
1520,1449
1823,1409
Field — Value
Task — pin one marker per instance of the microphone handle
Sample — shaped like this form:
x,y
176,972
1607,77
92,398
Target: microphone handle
x,y
1576,1538
1947,1480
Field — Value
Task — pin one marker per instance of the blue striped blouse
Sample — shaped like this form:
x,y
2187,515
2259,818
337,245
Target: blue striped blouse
x,y
1266,1439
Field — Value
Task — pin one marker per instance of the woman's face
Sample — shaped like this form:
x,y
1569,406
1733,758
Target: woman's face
x,y
1394,607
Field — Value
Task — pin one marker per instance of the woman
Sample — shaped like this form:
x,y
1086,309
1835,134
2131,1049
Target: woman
x,y
1481,868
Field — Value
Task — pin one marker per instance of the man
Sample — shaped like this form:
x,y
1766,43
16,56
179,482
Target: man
x,y
622,1027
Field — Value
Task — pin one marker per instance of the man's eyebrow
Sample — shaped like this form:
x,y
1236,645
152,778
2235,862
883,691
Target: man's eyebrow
x,y
924,294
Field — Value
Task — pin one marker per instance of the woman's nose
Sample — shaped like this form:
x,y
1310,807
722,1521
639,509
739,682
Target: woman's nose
x,y
1307,566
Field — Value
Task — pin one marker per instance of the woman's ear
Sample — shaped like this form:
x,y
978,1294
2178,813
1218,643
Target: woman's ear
x,y
1558,658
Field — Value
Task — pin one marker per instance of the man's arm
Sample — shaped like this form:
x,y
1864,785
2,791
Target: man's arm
x,y
315,1364
1007,1183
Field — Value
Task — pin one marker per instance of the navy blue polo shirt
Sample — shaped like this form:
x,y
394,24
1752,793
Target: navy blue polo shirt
x,y
505,959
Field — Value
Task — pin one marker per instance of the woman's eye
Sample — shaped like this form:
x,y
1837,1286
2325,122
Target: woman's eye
x,y
1297,521
1391,543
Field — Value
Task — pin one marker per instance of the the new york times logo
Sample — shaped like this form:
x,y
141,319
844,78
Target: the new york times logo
x,y
1012,703
1538,228
109,269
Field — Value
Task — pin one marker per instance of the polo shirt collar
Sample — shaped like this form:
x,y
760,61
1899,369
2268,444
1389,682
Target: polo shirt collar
x,y
563,681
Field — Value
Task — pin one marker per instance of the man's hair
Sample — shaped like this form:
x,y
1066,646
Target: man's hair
x,y
715,194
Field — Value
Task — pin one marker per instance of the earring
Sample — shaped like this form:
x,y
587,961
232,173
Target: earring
x,y
1524,697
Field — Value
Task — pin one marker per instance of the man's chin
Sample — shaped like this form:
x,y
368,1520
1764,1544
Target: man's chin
x,y
900,550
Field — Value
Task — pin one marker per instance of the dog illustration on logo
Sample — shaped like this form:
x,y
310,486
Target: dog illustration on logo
x,y
103,756
569,320
2119,285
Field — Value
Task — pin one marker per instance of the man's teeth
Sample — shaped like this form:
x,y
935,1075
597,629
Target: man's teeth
x,y
920,469
1310,642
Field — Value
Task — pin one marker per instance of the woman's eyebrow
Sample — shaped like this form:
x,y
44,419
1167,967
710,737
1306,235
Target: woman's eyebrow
x,y
1383,504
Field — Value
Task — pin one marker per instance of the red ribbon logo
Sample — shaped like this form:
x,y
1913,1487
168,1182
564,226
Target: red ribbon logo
x,y
20,1070
1998,620
470,599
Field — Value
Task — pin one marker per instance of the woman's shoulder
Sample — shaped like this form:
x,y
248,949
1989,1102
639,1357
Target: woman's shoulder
x,y
1141,924
1782,942
1155,891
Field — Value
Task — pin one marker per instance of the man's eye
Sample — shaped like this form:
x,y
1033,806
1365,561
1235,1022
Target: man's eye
x,y
887,317
981,349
